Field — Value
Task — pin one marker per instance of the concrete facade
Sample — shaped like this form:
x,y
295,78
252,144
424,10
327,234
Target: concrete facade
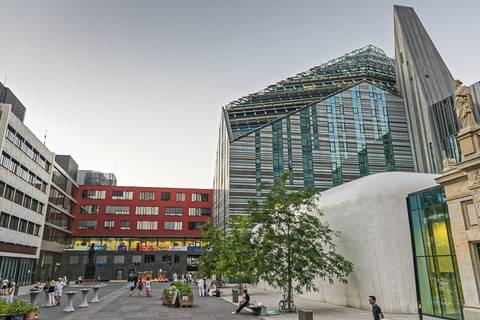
x,y
371,214
462,189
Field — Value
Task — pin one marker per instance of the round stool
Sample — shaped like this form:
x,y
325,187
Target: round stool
x,y
84,303
69,306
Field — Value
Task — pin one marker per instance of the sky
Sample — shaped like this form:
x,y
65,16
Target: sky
x,y
136,87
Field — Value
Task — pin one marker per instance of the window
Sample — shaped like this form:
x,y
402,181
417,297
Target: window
x,y
18,199
165,196
117,209
199,211
27,201
101,259
30,227
147,225
108,224
4,219
87,224
147,195
23,226
93,194
118,259
149,258
173,225
181,196
9,193
74,259
89,209
125,225
36,230
195,225
199,197
167,258
136,259
173,211
149,211
176,259
2,188
13,223
122,195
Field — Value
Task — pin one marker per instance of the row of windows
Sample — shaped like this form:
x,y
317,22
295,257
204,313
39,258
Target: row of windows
x,y
10,193
150,195
120,259
143,210
55,235
61,200
19,170
60,180
58,218
14,223
141,225
27,148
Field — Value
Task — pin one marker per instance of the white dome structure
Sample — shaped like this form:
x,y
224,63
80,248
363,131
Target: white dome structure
x,y
371,214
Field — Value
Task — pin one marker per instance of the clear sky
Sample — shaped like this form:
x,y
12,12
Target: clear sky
x,y
136,87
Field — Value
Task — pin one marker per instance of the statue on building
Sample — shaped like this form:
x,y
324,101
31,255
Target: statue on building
x,y
464,105
447,162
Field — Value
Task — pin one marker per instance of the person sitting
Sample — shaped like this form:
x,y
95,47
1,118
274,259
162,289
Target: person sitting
x,y
212,290
245,301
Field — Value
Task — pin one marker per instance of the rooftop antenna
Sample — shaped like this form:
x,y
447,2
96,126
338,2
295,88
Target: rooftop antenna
x,y
45,137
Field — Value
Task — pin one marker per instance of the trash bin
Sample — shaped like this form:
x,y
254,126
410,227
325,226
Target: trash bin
x,y
235,293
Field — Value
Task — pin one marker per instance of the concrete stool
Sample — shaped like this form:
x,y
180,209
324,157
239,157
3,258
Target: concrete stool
x,y
84,303
305,314
69,306
47,300
34,296
95,295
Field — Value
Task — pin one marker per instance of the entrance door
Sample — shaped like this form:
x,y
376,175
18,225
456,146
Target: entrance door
x,y
119,274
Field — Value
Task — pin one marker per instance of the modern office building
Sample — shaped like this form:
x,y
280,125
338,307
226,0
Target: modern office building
x,y
25,173
332,124
95,178
8,97
135,227
427,87
57,233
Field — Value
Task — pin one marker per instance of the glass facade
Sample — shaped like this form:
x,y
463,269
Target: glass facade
x,y
438,284
20,270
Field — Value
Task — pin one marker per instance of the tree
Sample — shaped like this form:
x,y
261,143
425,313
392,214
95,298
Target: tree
x,y
212,260
293,246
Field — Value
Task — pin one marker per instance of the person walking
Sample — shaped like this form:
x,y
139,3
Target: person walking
x,y
51,294
201,283
140,287
148,287
175,276
245,302
10,292
4,286
376,310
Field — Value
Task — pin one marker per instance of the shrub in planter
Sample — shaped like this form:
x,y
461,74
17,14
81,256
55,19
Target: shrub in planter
x,y
18,310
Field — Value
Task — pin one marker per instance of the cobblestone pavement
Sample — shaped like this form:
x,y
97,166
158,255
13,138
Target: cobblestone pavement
x,y
116,304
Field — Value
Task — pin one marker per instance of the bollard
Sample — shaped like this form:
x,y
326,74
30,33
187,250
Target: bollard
x,y
84,303
47,300
305,314
34,296
235,293
95,295
69,306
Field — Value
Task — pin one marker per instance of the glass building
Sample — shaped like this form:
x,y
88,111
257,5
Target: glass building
x,y
332,124
439,289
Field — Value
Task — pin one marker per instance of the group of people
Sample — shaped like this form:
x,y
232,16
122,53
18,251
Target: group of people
x,y
8,289
54,289
187,277
136,286
204,290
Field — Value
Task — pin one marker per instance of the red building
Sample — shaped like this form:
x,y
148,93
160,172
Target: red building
x,y
117,218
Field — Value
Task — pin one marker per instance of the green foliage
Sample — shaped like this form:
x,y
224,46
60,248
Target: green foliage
x,y
17,307
292,245
183,288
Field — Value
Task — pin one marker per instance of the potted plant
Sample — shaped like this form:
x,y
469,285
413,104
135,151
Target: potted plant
x,y
22,310
4,310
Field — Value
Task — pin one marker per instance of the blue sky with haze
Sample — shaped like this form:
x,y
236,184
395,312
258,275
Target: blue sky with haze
x,y
136,87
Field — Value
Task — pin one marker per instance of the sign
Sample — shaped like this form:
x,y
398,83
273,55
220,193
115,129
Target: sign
x,y
147,248
178,248
100,248
77,248
194,248
122,247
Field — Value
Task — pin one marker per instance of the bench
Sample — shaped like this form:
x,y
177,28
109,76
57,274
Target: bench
x,y
257,310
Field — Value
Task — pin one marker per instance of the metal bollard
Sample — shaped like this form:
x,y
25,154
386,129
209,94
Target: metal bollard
x,y
84,303
95,295
69,307
305,314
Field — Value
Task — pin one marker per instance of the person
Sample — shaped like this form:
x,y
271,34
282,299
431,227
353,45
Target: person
x,y
245,301
148,287
133,286
201,283
204,286
212,289
79,280
10,292
51,294
4,286
140,287
59,285
376,310
175,276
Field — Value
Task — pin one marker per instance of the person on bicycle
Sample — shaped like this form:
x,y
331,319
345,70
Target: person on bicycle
x,y
245,302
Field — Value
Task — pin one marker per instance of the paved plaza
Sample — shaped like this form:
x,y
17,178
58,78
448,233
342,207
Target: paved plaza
x,y
116,304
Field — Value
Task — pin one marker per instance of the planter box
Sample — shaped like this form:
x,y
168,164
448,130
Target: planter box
x,y
167,297
186,301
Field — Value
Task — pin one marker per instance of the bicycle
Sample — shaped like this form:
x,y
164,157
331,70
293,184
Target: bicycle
x,y
283,304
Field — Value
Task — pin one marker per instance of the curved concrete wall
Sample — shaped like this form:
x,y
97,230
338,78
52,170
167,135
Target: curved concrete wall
x,y
371,213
